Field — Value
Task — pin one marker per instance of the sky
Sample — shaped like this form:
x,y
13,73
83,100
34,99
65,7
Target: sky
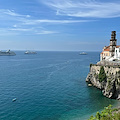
x,y
58,25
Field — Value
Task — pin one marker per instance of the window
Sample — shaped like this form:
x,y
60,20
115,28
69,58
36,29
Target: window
x,y
114,43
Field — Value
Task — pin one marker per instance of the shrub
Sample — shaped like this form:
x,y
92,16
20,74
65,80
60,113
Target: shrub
x,y
119,72
91,65
107,114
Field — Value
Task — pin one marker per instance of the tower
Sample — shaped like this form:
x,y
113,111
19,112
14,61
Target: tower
x,y
113,41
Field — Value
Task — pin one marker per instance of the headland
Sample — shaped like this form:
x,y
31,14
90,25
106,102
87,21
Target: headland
x,y
105,75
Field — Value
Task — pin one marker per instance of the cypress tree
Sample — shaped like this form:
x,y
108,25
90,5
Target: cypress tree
x,y
102,74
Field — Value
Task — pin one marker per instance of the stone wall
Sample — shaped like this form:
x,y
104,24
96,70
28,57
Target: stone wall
x,y
109,63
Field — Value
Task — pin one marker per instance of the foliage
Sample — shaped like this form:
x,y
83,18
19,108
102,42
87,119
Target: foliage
x,y
102,75
107,114
91,65
119,72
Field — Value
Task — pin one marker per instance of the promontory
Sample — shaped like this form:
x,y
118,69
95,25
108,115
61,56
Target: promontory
x,y
105,75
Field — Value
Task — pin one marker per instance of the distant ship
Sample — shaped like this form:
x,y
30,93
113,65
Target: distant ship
x,y
83,53
30,52
7,53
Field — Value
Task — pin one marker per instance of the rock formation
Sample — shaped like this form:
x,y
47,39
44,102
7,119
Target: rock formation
x,y
111,86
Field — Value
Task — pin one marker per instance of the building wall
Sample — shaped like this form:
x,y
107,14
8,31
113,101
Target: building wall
x,y
105,55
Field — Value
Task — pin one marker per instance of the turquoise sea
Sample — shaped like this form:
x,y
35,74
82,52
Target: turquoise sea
x,y
48,86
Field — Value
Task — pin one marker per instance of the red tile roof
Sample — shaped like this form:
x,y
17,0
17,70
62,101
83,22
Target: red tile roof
x,y
107,48
118,46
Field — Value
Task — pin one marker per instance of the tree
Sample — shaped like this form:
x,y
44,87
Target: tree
x,y
102,74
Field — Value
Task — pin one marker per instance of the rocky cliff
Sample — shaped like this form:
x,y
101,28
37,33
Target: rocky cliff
x,y
111,85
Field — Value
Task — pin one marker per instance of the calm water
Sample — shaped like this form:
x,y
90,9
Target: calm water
x,y
48,86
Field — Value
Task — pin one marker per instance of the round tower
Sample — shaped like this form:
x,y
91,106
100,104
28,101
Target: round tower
x,y
113,41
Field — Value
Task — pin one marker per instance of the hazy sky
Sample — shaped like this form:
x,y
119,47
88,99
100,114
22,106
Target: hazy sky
x,y
66,25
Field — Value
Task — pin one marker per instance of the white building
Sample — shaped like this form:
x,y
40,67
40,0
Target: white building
x,y
117,53
111,52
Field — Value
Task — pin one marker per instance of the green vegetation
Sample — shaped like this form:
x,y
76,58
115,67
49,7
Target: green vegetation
x,y
91,65
102,74
119,72
109,81
107,114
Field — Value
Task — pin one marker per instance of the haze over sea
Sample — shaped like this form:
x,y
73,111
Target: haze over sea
x,y
48,86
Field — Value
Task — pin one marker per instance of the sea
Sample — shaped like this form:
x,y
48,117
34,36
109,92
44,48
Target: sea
x,y
49,86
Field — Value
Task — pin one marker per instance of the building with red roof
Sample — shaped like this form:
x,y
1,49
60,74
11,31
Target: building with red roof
x,y
111,51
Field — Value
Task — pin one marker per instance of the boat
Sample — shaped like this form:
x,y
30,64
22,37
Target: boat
x,y
30,52
13,100
83,53
7,53
89,85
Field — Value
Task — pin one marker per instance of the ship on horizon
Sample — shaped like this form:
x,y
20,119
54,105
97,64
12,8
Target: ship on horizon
x,y
7,53
30,52
83,53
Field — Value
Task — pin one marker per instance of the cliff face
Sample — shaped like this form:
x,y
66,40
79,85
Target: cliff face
x,y
111,86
